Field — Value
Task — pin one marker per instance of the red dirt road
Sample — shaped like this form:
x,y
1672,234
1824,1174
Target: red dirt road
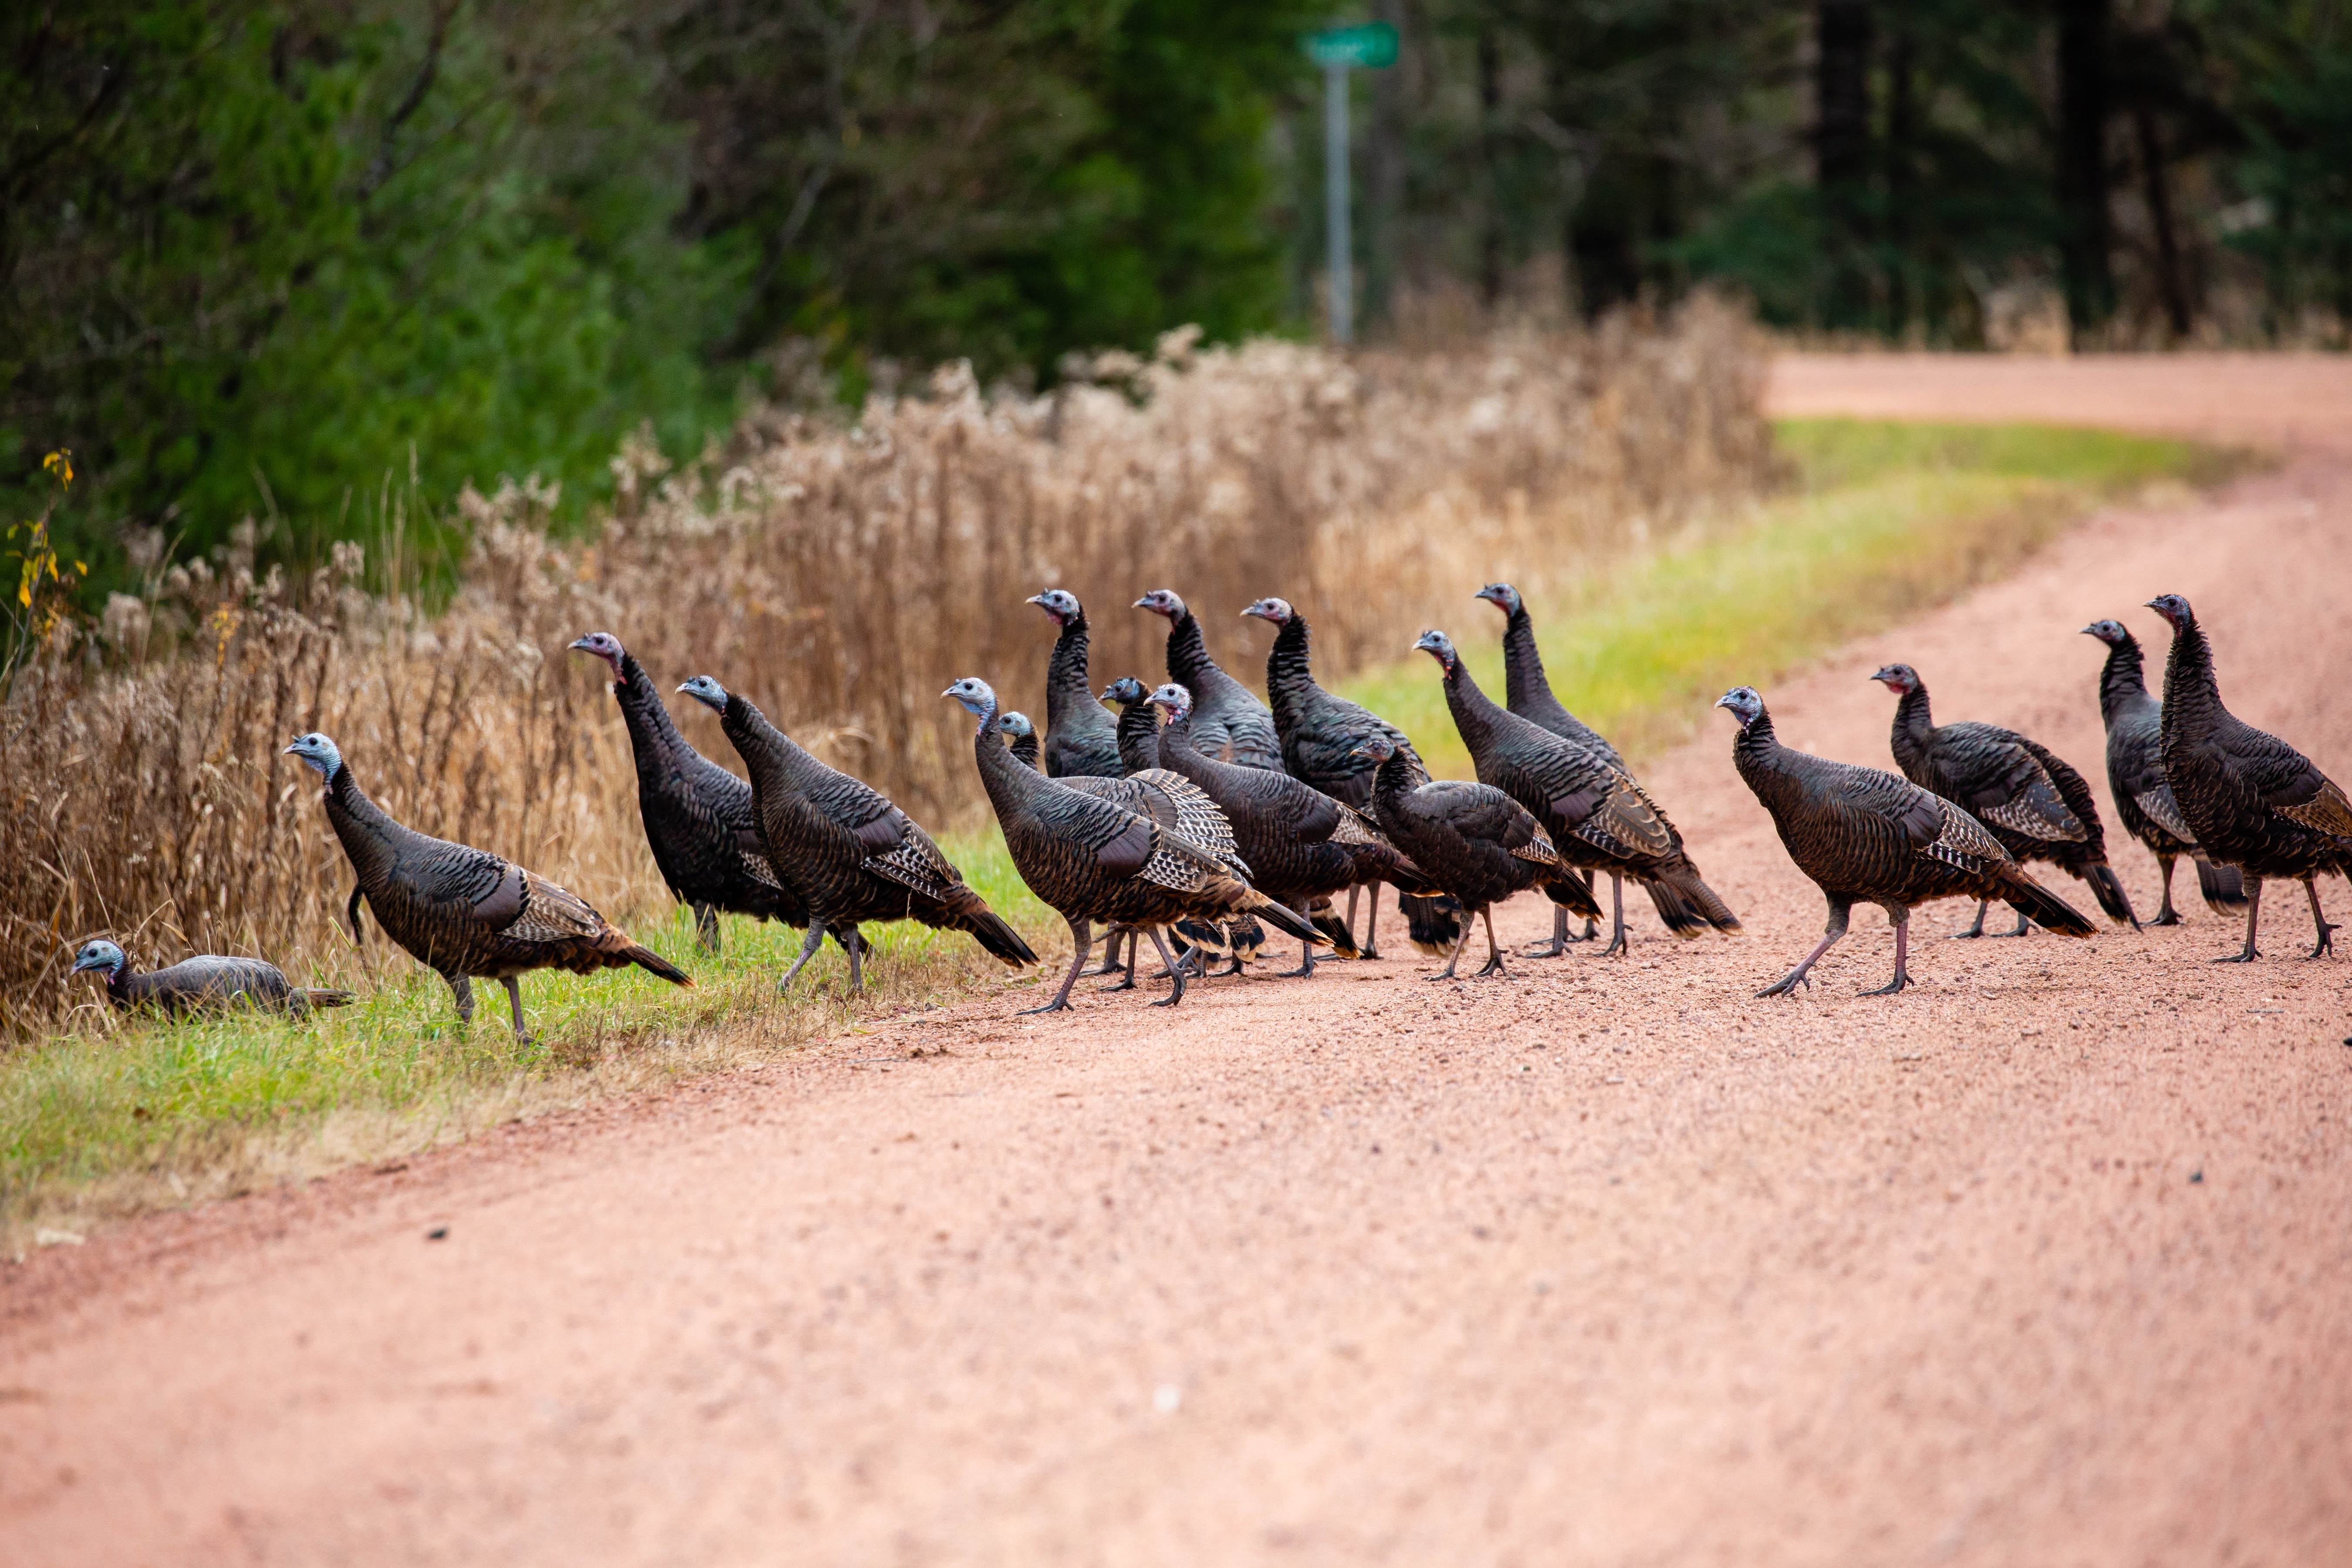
x,y
2045,1261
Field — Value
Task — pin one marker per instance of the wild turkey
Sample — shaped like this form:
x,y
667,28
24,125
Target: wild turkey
x,y
1081,735
2252,800
1473,840
202,981
2033,803
1300,843
1092,859
1598,816
1322,736
843,849
1865,836
1527,691
697,816
1020,737
462,913
1228,723
1239,940
2144,802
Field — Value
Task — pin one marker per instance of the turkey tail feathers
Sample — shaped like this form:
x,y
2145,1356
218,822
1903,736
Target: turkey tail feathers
x,y
1573,892
1432,924
1688,906
2042,906
1000,939
1282,918
1325,918
2108,888
319,996
646,958
2223,887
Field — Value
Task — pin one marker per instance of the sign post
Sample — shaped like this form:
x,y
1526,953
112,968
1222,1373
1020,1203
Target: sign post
x,y
1371,46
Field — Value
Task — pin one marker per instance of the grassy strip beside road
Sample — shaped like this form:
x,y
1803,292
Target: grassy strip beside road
x,y
117,1115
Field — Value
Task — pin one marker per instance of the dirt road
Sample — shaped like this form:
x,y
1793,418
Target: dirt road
x,y
2046,1261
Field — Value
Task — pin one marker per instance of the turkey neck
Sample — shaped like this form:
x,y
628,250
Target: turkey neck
x,y
1757,753
2193,701
653,737
1065,673
1474,713
1391,786
370,837
2123,683
1007,781
1138,738
1523,671
1188,651
1915,730
1288,680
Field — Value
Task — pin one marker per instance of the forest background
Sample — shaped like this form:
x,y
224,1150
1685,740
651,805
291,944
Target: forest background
x,y
278,259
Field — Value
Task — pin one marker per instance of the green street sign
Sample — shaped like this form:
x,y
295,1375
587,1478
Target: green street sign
x,y
1371,46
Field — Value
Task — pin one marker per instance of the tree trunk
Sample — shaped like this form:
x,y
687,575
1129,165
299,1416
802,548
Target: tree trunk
x,y
2169,279
1902,176
1490,110
1842,156
1384,175
2083,164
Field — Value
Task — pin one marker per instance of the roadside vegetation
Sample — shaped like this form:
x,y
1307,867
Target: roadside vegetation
x,y
100,1115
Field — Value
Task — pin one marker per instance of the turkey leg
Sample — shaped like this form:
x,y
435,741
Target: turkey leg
x,y
1617,944
2167,915
1900,918
1305,970
809,944
2326,942
2254,918
1977,928
463,990
1839,915
514,1001
1083,936
1494,950
705,928
1459,943
1174,973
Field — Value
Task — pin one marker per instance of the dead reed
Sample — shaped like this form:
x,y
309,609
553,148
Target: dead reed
x,y
840,576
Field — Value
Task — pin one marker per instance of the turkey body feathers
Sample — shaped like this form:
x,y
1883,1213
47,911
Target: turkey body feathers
x,y
700,820
846,851
2143,796
1081,734
207,981
1228,722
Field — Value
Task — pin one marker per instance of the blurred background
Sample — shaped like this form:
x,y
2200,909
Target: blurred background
x,y
268,264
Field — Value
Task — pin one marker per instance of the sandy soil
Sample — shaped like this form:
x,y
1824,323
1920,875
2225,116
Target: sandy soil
x,y
2046,1261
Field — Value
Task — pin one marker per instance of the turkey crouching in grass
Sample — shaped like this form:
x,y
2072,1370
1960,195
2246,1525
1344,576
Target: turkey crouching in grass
x,y
2033,803
204,982
2144,800
1300,843
843,849
1081,735
1092,859
465,913
1020,738
1476,842
697,816
1321,740
1527,691
1865,836
1228,723
2253,801
1598,817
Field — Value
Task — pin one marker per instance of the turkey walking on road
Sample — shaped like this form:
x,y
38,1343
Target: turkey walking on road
x,y
1321,740
2253,801
1092,859
2144,801
462,913
1238,940
1228,723
1301,843
1597,816
843,849
202,982
697,816
1081,734
2038,807
1527,691
1866,836
1472,840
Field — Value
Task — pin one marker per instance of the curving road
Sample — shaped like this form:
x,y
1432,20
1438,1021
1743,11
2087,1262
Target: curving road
x,y
2046,1261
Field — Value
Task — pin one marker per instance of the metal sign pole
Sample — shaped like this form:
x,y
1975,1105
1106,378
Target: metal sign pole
x,y
1335,202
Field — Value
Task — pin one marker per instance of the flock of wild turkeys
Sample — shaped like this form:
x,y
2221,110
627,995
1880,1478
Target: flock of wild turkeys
x,y
1198,813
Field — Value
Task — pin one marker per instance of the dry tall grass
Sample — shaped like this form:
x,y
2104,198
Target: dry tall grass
x,y
840,577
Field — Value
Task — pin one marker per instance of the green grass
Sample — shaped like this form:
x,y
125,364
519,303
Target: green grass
x,y
1884,521
117,1115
